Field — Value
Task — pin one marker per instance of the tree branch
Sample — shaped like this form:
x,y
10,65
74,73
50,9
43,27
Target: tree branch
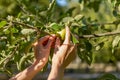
x,y
8,58
51,5
100,35
30,26
3,38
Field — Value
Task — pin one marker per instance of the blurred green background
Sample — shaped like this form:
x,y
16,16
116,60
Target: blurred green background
x,y
96,17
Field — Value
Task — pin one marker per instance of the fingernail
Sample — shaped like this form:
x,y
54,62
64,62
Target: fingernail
x,y
35,43
51,38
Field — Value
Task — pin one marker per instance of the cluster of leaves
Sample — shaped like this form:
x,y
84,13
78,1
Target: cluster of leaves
x,y
87,20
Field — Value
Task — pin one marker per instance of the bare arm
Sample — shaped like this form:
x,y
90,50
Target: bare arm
x,y
42,50
63,55
29,72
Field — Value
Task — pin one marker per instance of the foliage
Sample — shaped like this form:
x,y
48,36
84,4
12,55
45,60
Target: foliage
x,y
94,26
108,77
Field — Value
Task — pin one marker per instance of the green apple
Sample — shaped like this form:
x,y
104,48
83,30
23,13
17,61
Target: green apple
x,y
61,34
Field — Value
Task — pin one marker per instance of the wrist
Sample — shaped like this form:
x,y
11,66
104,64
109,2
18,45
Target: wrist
x,y
56,73
38,65
57,67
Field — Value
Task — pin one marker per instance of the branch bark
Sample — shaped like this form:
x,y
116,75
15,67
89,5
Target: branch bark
x,y
31,27
81,36
100,35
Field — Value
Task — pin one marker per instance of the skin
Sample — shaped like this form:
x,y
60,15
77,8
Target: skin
x,y
41,58
63,55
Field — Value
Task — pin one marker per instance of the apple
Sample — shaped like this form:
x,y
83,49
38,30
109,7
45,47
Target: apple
x,y
61,34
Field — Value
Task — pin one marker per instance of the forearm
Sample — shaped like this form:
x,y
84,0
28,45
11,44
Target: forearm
x,y
56,73
29,72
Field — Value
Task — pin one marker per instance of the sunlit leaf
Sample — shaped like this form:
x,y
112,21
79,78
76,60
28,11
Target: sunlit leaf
x,y
115,13
78,17
74,39
88,46
99,46
27,31
55,26
108,76
67,19
2,24
115,41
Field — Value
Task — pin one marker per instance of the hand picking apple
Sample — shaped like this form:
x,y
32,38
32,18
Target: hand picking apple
x,y
63,54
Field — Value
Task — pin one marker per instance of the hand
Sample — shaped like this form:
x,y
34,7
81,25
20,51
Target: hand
x,y
42,49
65,53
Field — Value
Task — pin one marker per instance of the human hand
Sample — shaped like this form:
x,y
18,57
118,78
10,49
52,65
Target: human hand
x,y
42,49
65,53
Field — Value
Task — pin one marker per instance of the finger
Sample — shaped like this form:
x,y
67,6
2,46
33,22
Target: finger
x,y
53,35
35,49
35,44
70,56
72,49
57,44
42,40
67,36
50,41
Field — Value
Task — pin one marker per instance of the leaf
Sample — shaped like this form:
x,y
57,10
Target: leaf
x,y
2,24
78,17
27,31
85,55
21,64
67,19
44,68
115,41
108,76
14,30
115,13
69,11
88,46
80,1
88,57
99,46
74,39
56,27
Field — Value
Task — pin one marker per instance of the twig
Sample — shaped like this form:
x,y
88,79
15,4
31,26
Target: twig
x,y
10,55
100,35
30,26
51,5
22,7
3,38
23,24
107,23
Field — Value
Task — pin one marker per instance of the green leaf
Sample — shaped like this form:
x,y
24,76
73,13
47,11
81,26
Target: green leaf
x,y
74,40
108,76
85,55
115,13
45,68
2,24
115,41
78,17
88,57
68,19
88,46
27,31
99,46
21,64
14,30
56,27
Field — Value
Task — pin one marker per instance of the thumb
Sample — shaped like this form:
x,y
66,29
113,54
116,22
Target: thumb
x,y
50,41
57,44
